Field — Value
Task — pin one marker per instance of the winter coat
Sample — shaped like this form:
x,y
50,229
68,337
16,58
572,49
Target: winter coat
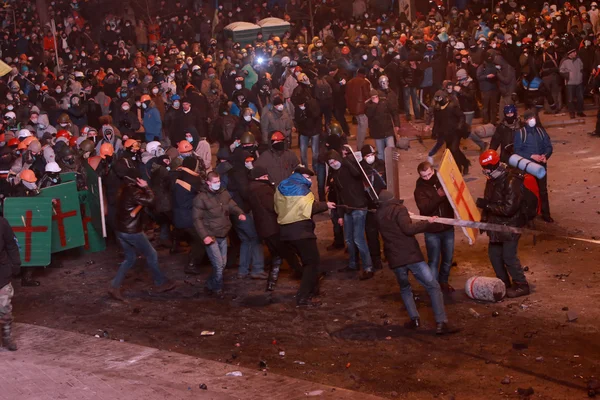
x,y
430,203
274,120
507,80
10,260
186,185
486,84
349,186
357,92
572,71
308,120
160,183
409,77
152,124
529,141
129,197
383,118
279,164
261,200
211,213
398,232
466,98
504,195
449,121
504,137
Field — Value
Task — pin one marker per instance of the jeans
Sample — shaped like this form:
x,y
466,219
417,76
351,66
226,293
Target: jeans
x,y
440,245
251,250
326,111
436,147
132,243
354,234
575,98
381,144
304,140
423,275
217,254
552,83
372,233
410,95
197,250
503,256
361,131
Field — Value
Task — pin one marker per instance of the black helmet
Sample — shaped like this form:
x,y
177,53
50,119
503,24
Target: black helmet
x,y
247,138
335,129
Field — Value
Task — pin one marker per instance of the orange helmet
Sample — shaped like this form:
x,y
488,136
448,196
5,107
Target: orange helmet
x,y
145,98
130,143
27,141
2,137
489,158
73,142
27,175
63,133
277,137
14,142
106,149
345,50
184,147
21,146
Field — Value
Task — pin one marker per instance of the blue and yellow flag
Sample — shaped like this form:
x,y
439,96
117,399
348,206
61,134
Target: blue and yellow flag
x,y
293,200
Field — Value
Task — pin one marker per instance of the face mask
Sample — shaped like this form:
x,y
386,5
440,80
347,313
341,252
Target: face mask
x,y
58,90
125,108
10,107
70,161
30,185
215,186
63,125
280,146
189,139
364,57
510,119
335,165
138,103
155,90
144,106
248,165
279,107
238,86
247,118
531,122
176,104
302,107
370,159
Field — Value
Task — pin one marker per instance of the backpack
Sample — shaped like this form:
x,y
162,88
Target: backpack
x,y
229,123
323,90
530,204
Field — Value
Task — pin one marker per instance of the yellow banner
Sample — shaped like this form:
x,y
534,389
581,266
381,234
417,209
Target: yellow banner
x,y
458,194
4,68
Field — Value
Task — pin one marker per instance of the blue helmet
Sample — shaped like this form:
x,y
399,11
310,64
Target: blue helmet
x,y
510,109
175,97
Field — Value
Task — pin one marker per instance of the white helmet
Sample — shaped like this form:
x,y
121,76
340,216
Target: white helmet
x,y
23,133
195,68
79,74
285,61
152,147
52,167
10,115
459,46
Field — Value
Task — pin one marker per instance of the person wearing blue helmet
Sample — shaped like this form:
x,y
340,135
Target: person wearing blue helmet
x,y
504,135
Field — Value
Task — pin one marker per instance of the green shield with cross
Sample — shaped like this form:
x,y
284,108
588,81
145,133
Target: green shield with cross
x,y
31,221
94,242
67,228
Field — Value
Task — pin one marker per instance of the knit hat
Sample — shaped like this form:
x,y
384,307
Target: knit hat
x,y
461,74
257,172
374,93
334,155
528,114
367,149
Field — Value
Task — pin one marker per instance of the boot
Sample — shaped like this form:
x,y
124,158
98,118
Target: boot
x,y
377,265
273,276
443,328
192,269
27,278
517,290
6,339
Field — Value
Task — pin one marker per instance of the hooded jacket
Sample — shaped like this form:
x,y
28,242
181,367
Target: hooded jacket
x,y
211,213
504,195
430,203
10,260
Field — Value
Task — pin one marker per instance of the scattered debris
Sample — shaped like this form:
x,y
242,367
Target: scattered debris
x,y
593,387
314,393
281,353
524,306
274,342
394,394
565,308
234,373
562,276
348,365
525,392
137,310
506,380
384,315
529,335
90,262
203,386
525,269
474,313
495,314
539,359
299,362
207,333
237,345
572,316
386,322
388,338
262,364
520,346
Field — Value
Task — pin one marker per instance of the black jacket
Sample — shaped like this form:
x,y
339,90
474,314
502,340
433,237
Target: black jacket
x,y
504,195
383,117
185,184
430,203
349,186
10,260
261,200
130,196
397,230
504,137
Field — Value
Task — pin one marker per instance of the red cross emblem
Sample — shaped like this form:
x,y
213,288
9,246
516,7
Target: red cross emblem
x,y
85,220
29,230
460,197
60,216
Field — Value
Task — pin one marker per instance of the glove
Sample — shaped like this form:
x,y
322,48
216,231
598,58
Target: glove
x,y
482,203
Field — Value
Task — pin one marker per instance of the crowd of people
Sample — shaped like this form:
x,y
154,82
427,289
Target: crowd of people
x,y
141,97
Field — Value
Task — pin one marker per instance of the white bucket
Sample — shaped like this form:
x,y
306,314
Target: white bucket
x,y
485,288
